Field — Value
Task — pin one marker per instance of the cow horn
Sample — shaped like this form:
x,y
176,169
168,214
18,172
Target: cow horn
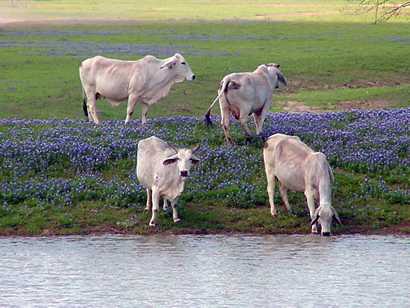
x,y
173,147
314,220
195,148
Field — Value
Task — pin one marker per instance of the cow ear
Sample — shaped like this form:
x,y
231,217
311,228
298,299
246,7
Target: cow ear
x,y
336,215
282,78
169,64
170,160
195,159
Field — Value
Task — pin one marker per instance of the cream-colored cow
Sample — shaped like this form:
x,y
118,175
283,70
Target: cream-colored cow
x,y
299,168
162,169
146,80
243,94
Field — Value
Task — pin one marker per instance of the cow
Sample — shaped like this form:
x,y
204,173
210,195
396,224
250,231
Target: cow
x,y
163,169
243,94
146,80
299,168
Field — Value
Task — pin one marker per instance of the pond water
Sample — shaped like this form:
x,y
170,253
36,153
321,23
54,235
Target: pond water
x,y
205,271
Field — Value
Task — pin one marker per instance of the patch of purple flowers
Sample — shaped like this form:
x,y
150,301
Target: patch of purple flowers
x,y
31,149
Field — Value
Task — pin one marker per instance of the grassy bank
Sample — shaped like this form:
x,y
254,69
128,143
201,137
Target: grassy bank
x,y
68,176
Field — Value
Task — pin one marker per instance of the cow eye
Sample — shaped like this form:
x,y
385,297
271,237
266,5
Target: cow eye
x,y
183,63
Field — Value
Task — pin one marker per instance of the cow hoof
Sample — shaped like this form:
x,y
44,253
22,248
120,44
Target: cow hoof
x,y
177,220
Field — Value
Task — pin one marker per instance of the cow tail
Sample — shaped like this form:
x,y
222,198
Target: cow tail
x,y
85,109
208,113
223,89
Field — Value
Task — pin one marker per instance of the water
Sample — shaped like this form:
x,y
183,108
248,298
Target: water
x,y
205,271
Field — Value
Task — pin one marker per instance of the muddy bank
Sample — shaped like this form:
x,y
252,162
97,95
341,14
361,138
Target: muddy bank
x,y
402,229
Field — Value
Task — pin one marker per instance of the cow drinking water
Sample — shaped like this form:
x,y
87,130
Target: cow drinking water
x,y
299,168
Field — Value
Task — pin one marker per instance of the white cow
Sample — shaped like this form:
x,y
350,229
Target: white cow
x,y
243,94
299,168
162,170
146,80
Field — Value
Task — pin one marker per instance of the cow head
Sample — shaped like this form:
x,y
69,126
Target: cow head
x,y
184,159
274,74
324,215
179,67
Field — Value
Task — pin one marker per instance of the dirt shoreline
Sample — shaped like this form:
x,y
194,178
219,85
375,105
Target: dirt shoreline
x,y
402,229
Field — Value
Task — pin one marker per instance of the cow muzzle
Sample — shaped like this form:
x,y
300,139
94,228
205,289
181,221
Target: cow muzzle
x,y
184,173
192,77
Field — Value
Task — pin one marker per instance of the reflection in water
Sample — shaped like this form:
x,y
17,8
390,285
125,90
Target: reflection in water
x,y
130,271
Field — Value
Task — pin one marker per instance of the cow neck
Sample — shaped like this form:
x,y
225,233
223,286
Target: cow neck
x,y
165,79
267,78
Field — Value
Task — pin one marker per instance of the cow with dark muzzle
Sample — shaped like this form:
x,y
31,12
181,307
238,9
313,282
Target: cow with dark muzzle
x,y
163,169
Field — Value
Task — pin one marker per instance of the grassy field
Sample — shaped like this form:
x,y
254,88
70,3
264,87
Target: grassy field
x,y
327,64
177,10
333,60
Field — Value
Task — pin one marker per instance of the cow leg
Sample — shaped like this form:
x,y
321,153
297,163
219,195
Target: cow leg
x,y
284,194
309,193
155,207
244,123
271,192
144,111
175,211
165,205
132,101
149,200
225,113
259,118
91,106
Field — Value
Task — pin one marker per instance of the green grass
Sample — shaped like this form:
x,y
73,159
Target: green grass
x,y
329,55
276,10
398,96
319,59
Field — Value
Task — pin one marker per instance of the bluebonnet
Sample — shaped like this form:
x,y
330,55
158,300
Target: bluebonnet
x,y
30,150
